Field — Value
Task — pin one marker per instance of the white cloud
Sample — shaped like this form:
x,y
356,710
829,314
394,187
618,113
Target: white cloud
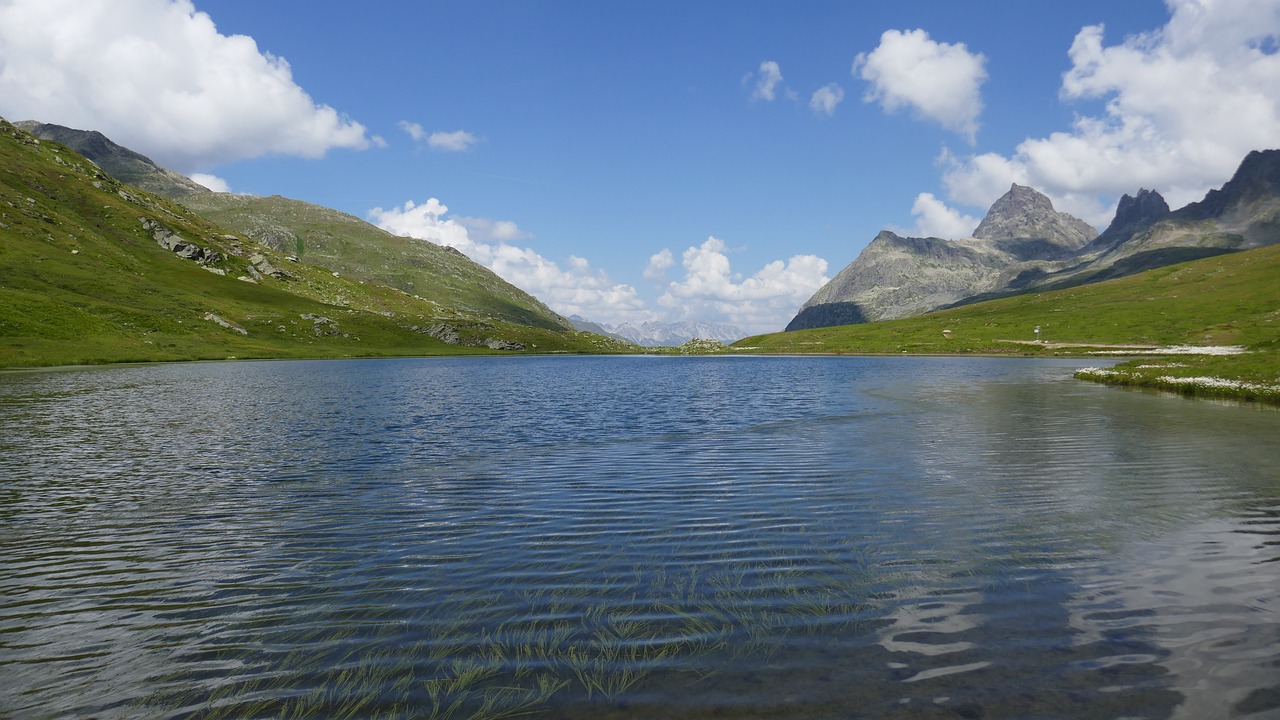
x,y
213,182
157,76
767,81
456,141
935,219
1183,105
764,302
659,263
826,98
484,229
940,81
576,290
413,129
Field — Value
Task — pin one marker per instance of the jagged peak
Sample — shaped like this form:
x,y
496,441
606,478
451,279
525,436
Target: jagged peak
x,y
1258,175
1147,205
1025,212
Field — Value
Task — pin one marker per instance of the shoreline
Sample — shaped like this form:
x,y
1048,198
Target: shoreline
x,y
1129,374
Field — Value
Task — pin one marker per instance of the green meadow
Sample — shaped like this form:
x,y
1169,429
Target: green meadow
x,y
1227,300
84,281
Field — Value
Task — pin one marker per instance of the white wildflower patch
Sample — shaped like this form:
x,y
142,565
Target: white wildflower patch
x,y
1216,383
1199,385
1095,372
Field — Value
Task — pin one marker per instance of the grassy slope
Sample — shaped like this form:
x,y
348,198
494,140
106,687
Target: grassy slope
x,y
81,281
337,241
1230,299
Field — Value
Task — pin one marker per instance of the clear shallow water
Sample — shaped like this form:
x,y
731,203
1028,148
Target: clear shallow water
x,y
633,537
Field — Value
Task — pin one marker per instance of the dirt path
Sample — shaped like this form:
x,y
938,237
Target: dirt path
x,y
1105,346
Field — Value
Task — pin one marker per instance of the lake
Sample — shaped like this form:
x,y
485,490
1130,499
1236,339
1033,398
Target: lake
x,y
633,537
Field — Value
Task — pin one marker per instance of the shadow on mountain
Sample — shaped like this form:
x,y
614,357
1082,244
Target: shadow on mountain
x,y
828,314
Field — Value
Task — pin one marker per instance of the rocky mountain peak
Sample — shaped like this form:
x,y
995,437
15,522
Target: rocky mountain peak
x,y
1134,213
1147,206
1258,177
1026,213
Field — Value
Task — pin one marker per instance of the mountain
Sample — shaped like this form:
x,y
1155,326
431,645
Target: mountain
x,y
1134,213
898,276
93,270
671,334
1025,213
325,237
1024,246
117,161
1228,299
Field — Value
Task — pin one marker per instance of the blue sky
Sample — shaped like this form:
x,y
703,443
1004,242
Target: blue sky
x,y
713,161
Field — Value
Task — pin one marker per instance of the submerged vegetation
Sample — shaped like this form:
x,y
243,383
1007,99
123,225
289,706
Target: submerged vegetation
x,y
484,653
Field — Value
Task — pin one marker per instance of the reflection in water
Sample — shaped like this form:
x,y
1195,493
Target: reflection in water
x,y
632,537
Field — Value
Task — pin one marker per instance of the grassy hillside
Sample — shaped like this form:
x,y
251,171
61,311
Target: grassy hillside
x,y
354,248
1229,299
83,279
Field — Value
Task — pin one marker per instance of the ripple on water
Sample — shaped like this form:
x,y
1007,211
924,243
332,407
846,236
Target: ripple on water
x,y
614,537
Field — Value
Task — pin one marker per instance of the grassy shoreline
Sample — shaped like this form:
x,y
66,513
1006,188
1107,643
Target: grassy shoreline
x,y
1252,377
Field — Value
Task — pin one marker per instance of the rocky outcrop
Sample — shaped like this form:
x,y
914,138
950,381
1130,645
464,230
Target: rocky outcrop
x,y
175,244
214,317
266,267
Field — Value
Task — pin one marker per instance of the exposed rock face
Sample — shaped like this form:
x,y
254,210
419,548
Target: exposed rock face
x,y
1256,181
1242,215
1133,215
1024,245
175,244
265,266
1025,213
898,276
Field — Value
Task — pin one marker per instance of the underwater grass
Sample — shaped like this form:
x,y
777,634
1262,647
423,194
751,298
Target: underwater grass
x,y
475,653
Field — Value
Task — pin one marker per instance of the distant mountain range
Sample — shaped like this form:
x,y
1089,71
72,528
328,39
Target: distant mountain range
x,y
1024,245
662,334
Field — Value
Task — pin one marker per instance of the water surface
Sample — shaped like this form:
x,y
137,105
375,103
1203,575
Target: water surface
x,y
633,537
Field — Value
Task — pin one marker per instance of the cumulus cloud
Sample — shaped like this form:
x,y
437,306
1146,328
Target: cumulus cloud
x,y
157,76
213,182
826,98
578,289
767,81
940,81
764,302
935,219
659,263
456,141
1183,105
